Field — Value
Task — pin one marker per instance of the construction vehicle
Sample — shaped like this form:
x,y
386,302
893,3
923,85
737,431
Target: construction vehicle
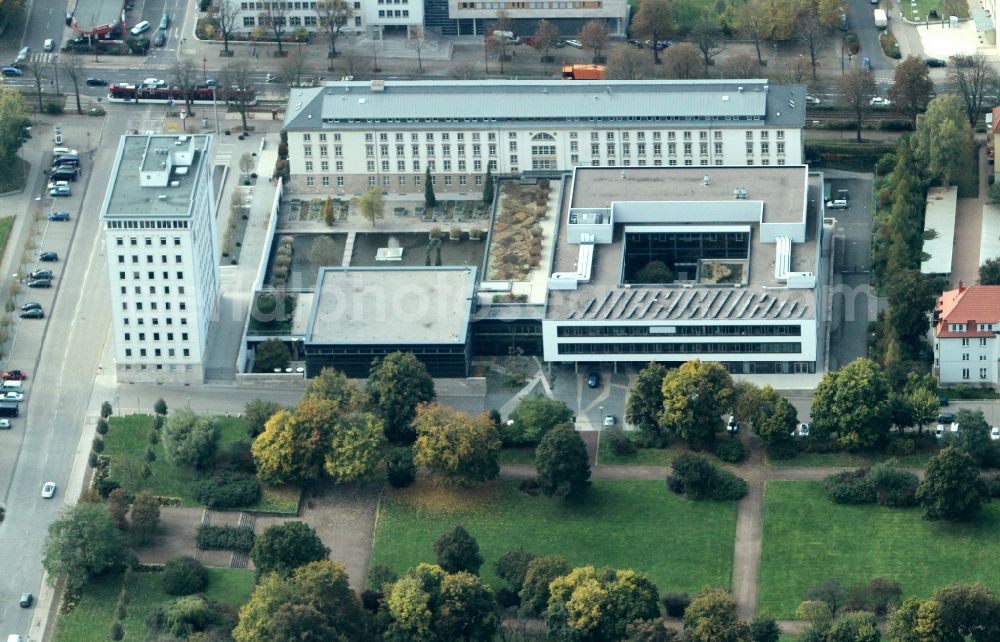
x,y
584,72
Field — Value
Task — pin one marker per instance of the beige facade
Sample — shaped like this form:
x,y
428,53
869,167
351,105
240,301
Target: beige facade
x,y
614,13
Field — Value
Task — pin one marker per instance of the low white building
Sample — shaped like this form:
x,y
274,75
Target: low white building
x,y
346,137
739,268
471,17
163,257
966,349
374,17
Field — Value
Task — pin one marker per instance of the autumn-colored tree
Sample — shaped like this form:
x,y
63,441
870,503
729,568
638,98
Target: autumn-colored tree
x,y
145,517
653,21
594,36
755,23
396,384
599,603
694,396
683,62
333,385
912,87
430,604
711,617
372,205
462,449
858,88
628,63
943,140
355,447
285,453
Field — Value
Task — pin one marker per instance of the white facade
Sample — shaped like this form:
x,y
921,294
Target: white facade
x,y
163,257
347,137
970,361
371,16
613,13
966,349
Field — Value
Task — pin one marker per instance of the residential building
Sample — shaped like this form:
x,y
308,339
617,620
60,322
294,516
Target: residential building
x,y
376,18
738,258
163,256
470,17
346,137
966,322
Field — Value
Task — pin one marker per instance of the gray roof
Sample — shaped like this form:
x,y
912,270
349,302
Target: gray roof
x,y
126,197
89,14
391,305
732,102
942,203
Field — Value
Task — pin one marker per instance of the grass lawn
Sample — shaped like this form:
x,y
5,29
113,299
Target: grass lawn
x,y
128,437
91,620
681,545
5,225
809,539
13,176
642,456
844,459
517,455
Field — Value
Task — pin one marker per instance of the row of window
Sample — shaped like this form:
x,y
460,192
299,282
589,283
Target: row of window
x,y
280,6
147,225
396,13
156,320
154,306
158,352
149,260
679,348
965,357
147,241
159,366
610,118
156,336
281,21
609,136
683,330
658,162
960,327
516,4
965,373
387,181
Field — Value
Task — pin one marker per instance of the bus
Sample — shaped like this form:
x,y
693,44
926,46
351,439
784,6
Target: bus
x,y
129,93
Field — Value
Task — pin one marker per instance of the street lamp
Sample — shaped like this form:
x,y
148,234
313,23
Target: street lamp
x,y
204,67
118,402
600,416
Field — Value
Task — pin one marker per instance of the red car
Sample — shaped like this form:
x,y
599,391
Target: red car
x,y
14,375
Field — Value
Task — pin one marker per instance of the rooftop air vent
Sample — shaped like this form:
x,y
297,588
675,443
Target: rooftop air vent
x,y
378,85
740,89
175,183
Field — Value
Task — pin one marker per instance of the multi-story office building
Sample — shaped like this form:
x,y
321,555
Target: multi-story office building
x,y
345,137
163,256
966,349
472,17
374,17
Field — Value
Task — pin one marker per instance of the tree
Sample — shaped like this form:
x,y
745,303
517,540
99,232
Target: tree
x,y
973,78
830,12
225,15
355,448
183,576
562,463
271,355
275,17
457,551
547,36
145,517
118,509
190,439
239,88
488,186
811,33
72,66
951,488
594,604
707,37
916,621
257,412
989,272
184,616
329,214
38,70
533,418
858,88
653,21
160,407
14,123
712,618
852,404
628,63
295,69
741,66
498,41
82,544
282,548
693,396
372,205
968,610
594,36
333,385
683,62
645,403
462,449
540,573
324,587
512,567
831,593
430,604
942,141
184,76
859,626
322,252
974,437
912,87
468,611
755,23
397,383
764,628
775,418
912,296
333,17
924,406
282,453
654,272
429,199
816,612
649,631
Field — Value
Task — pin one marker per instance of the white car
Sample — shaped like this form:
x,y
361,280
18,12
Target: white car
x,y
812,100
732,426
837,204
802,430
995,433
576,44
12,395
878,101
153,82
48,490
49,45
609,421
5,424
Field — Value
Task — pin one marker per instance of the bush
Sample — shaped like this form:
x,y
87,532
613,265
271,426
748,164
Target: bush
x,y
237,457
850,487
675,604
782,450
381,575
370,600
729,487
507,598
994,194
229,538
879,596
902,446
699,480
98,445
400,468
184,576
730,450
228,490
53,109
619,442
993,485
895,125
894,488
102,426
889,45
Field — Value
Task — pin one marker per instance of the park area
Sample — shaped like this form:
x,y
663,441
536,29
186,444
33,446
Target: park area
x,y
126,444
681,545
808,539
91,618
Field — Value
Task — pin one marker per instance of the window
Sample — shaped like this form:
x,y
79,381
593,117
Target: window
x,y
326,181
965,342
718,148
965,373
309,181
309,166
965,356
982,373
371,181
479,180
447,180
338,166
340,181
982,341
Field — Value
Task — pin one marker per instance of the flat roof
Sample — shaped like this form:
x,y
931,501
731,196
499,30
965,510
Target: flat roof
x,y
127,197
725,103
939,218
781,189
392,305
761,298
91,14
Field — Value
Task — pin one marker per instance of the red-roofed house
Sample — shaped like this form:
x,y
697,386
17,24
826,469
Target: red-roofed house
x,y
967,320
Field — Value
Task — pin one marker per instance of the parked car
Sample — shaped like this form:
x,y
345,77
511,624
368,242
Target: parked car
x,y
27,599
12,72
732,426
837,204
49,45
936,62
943,401
610,420
164,22
96,82
35,313
812,100
40,283
635,43
160,39
802,430
5,424
140,28
48,257
995,433
60,190
12,395
946,418
878,101
22,56
15,375
594,380
59,216
48,490
31,305
41,274
576,44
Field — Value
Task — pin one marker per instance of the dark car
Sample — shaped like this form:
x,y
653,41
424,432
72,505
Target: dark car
x,y
31,305
594,380
12,71
40,283
32,314
946,418
48,257
936,62
41,274
96,82
27,599
635,43
59,216
160,39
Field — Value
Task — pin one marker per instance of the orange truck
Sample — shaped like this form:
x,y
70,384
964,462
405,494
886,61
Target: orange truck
x,y
584,72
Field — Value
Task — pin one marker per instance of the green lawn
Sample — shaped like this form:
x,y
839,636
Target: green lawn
x,y
844,459
681,545
642,456
809,539
127,438
91,620
5,225
517,455
13,176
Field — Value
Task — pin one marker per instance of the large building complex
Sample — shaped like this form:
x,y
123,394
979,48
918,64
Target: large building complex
x,y
673,264
163,256
346,137
966,322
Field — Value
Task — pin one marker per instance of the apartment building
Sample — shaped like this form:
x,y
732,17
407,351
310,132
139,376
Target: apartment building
x,y
163,256
473,17
346,137
376,18
966,322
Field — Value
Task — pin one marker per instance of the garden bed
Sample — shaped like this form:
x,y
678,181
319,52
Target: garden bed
x,y
308,254
516,243
415,247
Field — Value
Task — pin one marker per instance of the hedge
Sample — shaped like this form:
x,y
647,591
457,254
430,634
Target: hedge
x,y
228,538
228,490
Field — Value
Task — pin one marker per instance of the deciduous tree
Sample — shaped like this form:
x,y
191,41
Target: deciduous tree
x,y
942,142
694,397
287,452
951,488
225,15
712,618
457,551
190,439
355,447
333,17
858,88
533,418
257,412
592,604
462,449
239,88
333,385
973,78
852,404
282,548
512,567
912,87
540,573
145,517
707,37
372,204
989,272
562,463
594,36
653,21
82,544
271,355
812,34
546,38
968,610
645,403
429,604
683,62
396,385
756,23
764,628
628,63
857,626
